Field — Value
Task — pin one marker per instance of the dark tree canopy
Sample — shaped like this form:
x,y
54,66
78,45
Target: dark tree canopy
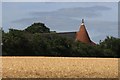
x,y
112,45
37,28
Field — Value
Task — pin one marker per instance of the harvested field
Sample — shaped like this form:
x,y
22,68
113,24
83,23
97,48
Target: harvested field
x,y
59,67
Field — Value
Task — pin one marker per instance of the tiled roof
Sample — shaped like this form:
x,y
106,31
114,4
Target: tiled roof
x,y
83,36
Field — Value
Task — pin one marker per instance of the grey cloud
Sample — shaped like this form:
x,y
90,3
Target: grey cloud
x,y
64,14
86,12
74,12
99,8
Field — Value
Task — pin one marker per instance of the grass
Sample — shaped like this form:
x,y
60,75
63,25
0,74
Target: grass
x,y
59,67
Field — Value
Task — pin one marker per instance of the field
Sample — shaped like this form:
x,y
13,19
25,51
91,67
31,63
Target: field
x,y
59,67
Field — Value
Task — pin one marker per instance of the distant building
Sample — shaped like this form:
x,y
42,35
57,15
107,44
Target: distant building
x,y
70,35
82,35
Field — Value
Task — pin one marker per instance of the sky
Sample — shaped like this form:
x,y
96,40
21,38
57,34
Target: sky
x,y
101,18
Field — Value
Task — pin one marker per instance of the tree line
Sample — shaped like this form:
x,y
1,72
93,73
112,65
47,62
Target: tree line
x,y
38,40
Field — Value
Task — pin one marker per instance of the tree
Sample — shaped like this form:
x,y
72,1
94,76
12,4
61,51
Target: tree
x,y
15,43
37,28
111,45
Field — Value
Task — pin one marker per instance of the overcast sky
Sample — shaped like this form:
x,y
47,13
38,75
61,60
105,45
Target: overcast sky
x,y
100,17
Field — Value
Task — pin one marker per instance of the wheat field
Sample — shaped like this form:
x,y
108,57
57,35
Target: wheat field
x,y
59,67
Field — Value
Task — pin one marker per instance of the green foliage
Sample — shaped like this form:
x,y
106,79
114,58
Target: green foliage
x,y
13,43
50,45
111,46
38,40
86,50
37,28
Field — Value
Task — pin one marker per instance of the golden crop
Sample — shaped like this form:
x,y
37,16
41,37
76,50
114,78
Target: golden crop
x,y
59,67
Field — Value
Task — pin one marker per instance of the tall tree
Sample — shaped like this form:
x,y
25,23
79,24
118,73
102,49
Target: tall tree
x,y
38,28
